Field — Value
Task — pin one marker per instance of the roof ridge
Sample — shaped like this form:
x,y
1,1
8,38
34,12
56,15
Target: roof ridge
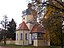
x,y
37,28
23,26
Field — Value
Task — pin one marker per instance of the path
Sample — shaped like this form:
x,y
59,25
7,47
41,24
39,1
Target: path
x,y
5,47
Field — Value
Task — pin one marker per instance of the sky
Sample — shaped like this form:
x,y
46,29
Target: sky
x,y
13,9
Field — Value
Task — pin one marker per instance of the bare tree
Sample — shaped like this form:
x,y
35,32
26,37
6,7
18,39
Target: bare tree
x,y
4,23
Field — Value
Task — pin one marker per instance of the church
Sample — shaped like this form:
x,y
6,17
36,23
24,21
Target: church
x,y
30,32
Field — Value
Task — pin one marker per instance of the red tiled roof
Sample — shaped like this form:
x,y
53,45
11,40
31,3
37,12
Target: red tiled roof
x,y
23,26
37,28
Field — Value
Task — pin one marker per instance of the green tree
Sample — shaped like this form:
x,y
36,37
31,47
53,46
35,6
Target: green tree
x,y
11,29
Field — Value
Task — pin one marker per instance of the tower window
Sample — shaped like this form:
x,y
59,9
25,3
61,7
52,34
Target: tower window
x,y
23,18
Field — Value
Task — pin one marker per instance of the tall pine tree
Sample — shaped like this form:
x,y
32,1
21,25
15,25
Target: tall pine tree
x,y
11,29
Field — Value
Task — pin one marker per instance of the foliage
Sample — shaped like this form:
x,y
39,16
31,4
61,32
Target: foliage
x,y
53,21
4,22
12,26
53,25
11,29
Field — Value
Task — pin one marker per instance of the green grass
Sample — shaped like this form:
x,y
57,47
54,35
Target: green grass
x,y
14,46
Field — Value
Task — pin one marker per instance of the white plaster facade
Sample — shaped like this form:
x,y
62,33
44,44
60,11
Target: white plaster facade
x,y
22,41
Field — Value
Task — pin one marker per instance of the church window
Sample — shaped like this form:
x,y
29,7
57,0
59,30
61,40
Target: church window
x,y
26,36
40,36
21,36
17,36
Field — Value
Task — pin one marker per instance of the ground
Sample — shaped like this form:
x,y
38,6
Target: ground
x,y
27,47
15,46
6,47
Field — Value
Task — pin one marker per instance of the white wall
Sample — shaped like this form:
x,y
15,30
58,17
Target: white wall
x,y
23,41
62,0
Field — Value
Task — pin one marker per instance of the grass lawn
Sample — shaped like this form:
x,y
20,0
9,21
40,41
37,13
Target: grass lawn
x,y
14,46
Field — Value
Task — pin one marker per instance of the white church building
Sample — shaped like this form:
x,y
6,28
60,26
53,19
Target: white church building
x,y
30,32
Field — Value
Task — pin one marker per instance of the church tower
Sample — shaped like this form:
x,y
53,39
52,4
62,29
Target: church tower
x,y
29,16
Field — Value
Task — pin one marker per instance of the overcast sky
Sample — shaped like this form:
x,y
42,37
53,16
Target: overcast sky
x,y
13,9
